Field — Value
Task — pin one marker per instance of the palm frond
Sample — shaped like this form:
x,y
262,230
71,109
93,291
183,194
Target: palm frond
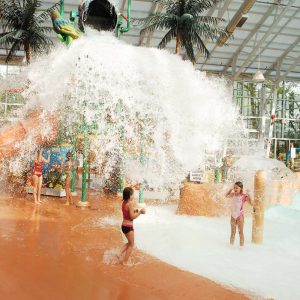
x,y
29,12
196,7
11,14
15,46
175,7
167,38
196,39
208,31
188,45
159,21
40,43
171,6
207,19
7,38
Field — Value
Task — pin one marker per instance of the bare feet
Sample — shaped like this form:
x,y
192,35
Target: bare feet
x,y
119,257
126,263
67,204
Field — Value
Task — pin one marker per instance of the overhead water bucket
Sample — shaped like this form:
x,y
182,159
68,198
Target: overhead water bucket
x,y
99,14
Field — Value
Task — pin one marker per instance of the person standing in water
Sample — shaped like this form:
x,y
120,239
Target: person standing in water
x,y
37,175
238,199
68,181
227,163
129,214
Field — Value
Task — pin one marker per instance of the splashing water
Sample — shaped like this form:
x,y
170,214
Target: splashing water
x,y
282,183
151,116
111,256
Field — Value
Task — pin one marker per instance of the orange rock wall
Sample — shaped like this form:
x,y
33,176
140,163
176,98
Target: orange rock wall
x,y
206,199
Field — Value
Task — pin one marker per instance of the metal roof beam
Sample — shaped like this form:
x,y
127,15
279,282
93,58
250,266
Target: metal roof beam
x,y
159,8
233,23
284,54
261,50
249,37
122,6
263,39
15,60
153,8
291,68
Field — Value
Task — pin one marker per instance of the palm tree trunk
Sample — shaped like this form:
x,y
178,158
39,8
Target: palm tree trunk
x,y
27,52
178,42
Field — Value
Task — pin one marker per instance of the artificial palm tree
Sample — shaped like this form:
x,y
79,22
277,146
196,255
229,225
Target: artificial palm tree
x,y
22,27
183,20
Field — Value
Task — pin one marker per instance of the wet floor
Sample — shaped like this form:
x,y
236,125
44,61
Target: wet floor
x,y
52,251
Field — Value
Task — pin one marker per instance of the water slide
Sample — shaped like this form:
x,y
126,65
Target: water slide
x,y
32,126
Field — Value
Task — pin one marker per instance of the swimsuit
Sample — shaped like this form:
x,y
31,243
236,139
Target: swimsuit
x,y
68,170
126,217
38,168
237,205
237,216
127,228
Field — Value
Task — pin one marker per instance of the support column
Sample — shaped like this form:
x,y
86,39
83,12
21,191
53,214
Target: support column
x,y
259,206
73,168
283,109
122,153
273,109
83,202
262,128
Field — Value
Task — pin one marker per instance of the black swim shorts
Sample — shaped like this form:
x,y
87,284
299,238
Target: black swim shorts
x,y
126,229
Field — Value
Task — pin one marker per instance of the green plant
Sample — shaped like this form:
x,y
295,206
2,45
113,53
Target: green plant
x,y
184,21
22,27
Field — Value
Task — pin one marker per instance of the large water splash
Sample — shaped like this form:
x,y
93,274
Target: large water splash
x,y
282,183
137,100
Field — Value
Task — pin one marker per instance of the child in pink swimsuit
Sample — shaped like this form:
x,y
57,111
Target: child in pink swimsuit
x,y
238,199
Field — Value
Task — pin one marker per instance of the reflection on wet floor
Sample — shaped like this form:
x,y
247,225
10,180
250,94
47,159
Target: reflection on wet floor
x,y
54,251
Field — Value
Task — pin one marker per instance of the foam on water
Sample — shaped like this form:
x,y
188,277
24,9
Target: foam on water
x,y
201,245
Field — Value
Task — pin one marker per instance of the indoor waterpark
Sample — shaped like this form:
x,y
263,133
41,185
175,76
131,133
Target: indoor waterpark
x,y
149,149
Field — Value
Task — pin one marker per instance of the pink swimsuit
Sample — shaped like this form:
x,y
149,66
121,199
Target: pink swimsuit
x,y
237,205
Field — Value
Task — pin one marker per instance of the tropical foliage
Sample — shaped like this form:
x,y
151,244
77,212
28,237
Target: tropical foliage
x,y
185,22
22,27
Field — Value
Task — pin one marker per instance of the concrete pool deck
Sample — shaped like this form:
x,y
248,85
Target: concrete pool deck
x,y
52,251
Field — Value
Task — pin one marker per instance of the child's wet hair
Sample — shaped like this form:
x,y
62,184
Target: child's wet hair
x,y
240,185
127,192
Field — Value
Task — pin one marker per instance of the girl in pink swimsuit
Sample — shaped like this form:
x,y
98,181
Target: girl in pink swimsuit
x,y
238,199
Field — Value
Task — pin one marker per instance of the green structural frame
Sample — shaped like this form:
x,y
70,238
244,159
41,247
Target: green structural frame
x,y
121,29
62,8
85,164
